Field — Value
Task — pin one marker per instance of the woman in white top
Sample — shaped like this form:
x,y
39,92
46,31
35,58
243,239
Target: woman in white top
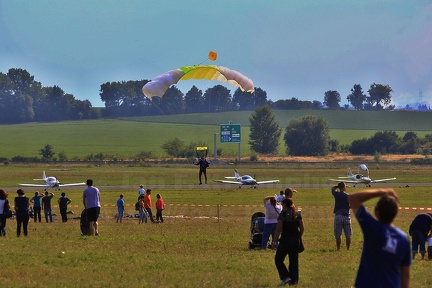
x,y
273,209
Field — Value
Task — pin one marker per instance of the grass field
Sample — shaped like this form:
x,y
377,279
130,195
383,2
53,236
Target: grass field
x,y
127,137
204,239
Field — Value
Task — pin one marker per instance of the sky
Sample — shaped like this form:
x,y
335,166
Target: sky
x,y
289,48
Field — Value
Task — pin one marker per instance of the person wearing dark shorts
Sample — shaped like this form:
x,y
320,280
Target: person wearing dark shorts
x,y
91,201
93,214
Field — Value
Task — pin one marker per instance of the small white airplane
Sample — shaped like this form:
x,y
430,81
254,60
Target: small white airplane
x,y
360,178
245,180
51,182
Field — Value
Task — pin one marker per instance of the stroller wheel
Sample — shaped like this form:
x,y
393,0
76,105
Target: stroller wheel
x,y
250,246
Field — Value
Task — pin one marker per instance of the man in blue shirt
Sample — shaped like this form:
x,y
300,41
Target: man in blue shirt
x,y
342,219
386,254
37,205
120,208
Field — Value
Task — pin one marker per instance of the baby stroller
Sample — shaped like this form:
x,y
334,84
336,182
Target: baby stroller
x,y
256,228
84,224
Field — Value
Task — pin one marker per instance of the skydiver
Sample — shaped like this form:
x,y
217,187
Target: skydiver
x,y
203,164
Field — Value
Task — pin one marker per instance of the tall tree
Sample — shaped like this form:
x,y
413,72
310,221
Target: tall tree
x,y
173,101
264,131
194,100
23,82
217,99
379,95
357,97
47,152
307,136
245,101
332,99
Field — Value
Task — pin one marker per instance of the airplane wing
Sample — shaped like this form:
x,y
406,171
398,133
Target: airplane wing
x,y
229,182
267,181
230,177
72,184
383,180
346,181
34,185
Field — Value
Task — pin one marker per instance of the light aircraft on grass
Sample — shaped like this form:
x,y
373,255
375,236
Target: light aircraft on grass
x,y
360,178
51,182
245,180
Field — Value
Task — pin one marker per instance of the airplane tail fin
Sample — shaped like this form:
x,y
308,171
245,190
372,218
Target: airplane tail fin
x,y
236,174
349,174
43,177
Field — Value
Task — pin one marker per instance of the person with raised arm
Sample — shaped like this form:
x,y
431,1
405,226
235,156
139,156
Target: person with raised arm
x,y
386,253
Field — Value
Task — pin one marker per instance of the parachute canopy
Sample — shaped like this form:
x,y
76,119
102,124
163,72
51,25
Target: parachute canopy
x,y
159,85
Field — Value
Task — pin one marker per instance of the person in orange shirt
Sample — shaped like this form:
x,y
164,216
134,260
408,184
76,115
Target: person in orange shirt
x,y
148,204
160,206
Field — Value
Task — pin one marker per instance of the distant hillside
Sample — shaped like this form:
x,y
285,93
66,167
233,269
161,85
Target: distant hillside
x,y
126,137
341,119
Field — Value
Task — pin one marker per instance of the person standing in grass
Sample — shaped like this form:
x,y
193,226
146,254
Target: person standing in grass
x,y
142,211
141,191
37,206
290,228
273,209
91,202
46,206
120,209
160,206
4,208
22,204
63,202
342,220
203,165
148,204
289,193
386,253
419,230
280,197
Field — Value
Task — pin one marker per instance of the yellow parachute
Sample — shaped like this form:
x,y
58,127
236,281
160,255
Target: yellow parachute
x,y
159,85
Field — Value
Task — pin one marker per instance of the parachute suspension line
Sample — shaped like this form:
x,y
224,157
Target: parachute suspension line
x,y
162,112
212,56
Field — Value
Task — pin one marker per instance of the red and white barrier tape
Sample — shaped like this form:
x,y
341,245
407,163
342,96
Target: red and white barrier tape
x,y
249,206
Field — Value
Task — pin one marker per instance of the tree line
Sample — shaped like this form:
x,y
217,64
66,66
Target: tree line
x,y
22,99
310,136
